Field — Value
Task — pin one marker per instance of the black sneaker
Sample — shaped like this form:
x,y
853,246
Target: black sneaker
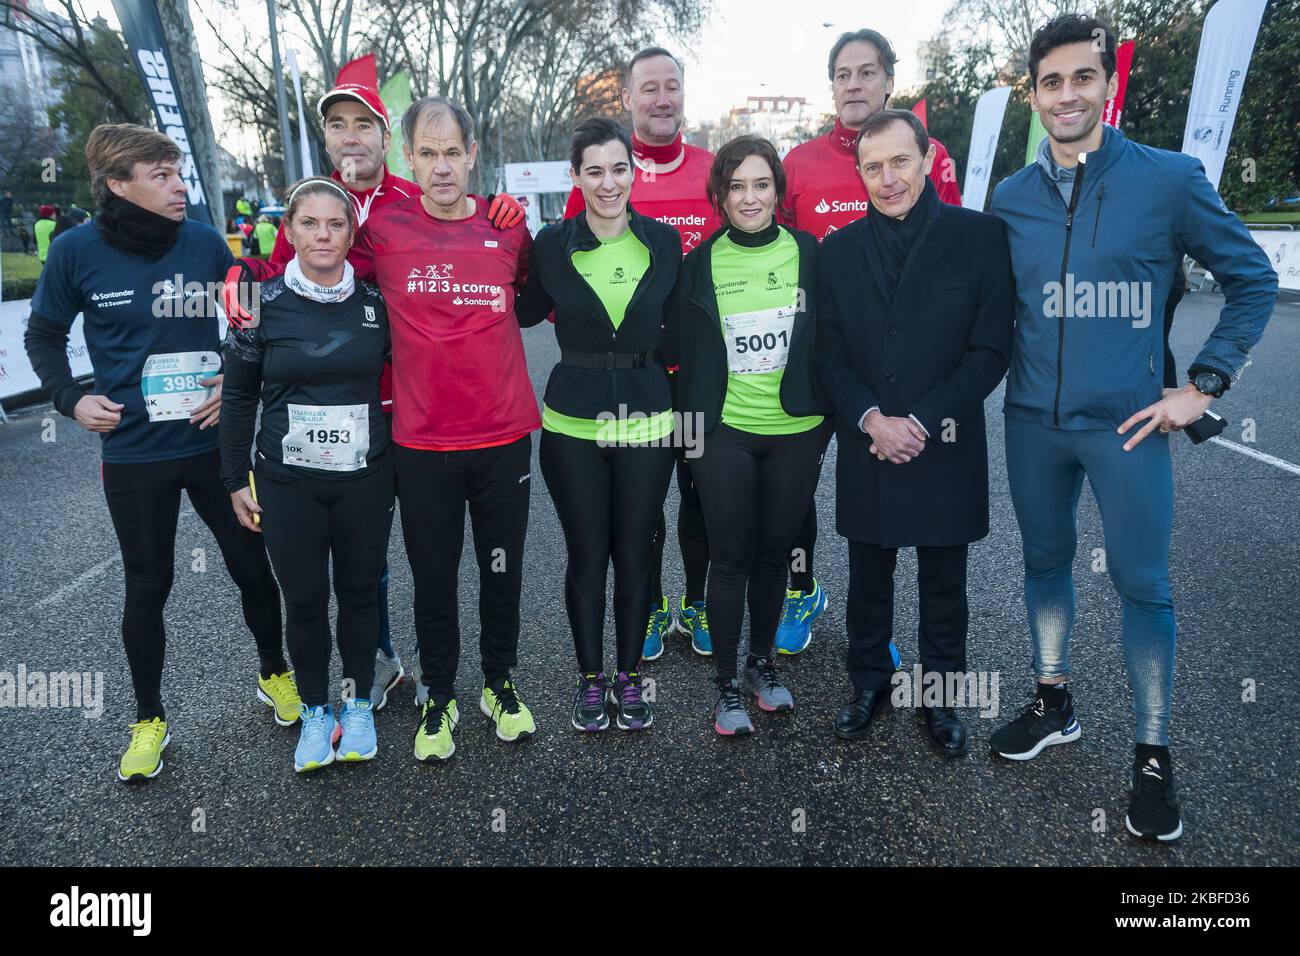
x,y
634,712
589,703
1153,810
1039,725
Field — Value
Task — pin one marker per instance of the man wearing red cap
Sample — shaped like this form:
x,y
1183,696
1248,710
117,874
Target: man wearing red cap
x,y
357,137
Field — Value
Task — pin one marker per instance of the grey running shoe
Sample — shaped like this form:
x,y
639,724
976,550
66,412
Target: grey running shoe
x,y
729,717
772,695
388,674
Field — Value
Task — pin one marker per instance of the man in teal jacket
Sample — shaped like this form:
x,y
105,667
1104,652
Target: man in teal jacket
x,y
1097,226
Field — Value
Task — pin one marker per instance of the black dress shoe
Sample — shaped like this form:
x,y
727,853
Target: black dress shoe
x,y
854,720
946,731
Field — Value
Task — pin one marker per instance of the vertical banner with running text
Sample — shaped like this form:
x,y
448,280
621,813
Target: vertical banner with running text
x,y
1227,42
304,140
1114,109
989,110
396,94
143,32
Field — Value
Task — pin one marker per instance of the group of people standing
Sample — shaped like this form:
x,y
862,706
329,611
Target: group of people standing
x,y
772,303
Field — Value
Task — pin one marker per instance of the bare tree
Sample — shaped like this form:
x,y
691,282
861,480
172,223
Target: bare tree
x,y
68,41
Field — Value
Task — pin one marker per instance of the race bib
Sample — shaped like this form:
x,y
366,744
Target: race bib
x,y
328,437
758,341
170,383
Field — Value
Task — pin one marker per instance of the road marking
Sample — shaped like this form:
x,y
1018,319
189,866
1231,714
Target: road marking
x,y
1257,455
94,571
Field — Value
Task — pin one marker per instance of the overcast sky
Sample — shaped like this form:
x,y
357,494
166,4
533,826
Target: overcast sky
x,y
748,47
771,47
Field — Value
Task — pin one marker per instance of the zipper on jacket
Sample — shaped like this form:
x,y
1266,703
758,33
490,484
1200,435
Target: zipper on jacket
x,y
1101,191
1060,319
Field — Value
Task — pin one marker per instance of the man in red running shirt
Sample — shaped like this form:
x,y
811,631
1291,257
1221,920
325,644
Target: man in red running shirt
x,y
463,412
824,192
670,174
670,185
823,189
357,138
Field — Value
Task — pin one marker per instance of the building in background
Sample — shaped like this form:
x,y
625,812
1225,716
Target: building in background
x,y
784,120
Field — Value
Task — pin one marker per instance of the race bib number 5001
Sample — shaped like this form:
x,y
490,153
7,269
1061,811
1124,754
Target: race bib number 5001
x,y
170,383
758,341
328,437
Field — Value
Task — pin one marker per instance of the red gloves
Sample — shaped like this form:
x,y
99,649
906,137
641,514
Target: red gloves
x,y
504,212
239,295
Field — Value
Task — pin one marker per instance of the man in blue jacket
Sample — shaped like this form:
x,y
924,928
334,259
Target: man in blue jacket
x,y
1097,226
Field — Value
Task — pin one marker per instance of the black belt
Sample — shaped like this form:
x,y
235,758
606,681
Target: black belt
x,y
605,360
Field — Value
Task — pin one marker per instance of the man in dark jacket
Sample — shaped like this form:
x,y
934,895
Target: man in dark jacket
x,y
917,306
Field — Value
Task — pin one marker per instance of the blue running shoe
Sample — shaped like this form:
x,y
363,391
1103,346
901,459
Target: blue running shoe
x,y
794,633
661,620
693,622
316,738
358,740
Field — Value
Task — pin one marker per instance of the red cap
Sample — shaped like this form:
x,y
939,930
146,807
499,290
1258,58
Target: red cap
x,y
365,95
47,212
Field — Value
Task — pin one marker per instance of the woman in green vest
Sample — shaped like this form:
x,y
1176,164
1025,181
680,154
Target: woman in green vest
x,y
743,330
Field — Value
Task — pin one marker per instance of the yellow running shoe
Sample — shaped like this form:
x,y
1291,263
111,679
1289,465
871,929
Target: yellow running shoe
x,y
433,736
143,758
505,708
280,693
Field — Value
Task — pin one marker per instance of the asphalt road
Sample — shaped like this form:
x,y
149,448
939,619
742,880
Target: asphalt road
x,y
677,794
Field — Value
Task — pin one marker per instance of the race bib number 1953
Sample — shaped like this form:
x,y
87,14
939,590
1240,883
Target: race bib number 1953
x,y
328,437
170,383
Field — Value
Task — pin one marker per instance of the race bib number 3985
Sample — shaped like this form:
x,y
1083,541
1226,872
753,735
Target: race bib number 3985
x,y
328,437
758,341
170,383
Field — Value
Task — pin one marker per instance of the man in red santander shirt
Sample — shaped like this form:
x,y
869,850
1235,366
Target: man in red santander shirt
x,y
357,137
670,174
823,189
463,412
669,185
824,192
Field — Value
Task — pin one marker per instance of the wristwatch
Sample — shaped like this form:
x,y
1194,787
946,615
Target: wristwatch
x,y
1209,383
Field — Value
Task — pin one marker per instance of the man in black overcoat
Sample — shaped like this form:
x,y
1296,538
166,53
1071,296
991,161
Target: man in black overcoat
x,y
917,310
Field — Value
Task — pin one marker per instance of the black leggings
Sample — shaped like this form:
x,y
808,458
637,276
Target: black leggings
x,y
305,521
144,500
693,538
755,490
434,488
608,499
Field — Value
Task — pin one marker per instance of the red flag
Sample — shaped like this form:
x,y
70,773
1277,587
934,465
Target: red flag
x,y
919,109
1123,62
360,71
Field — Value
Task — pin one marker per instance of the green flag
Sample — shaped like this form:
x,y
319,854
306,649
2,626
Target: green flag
x,y
1036,134
396,94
